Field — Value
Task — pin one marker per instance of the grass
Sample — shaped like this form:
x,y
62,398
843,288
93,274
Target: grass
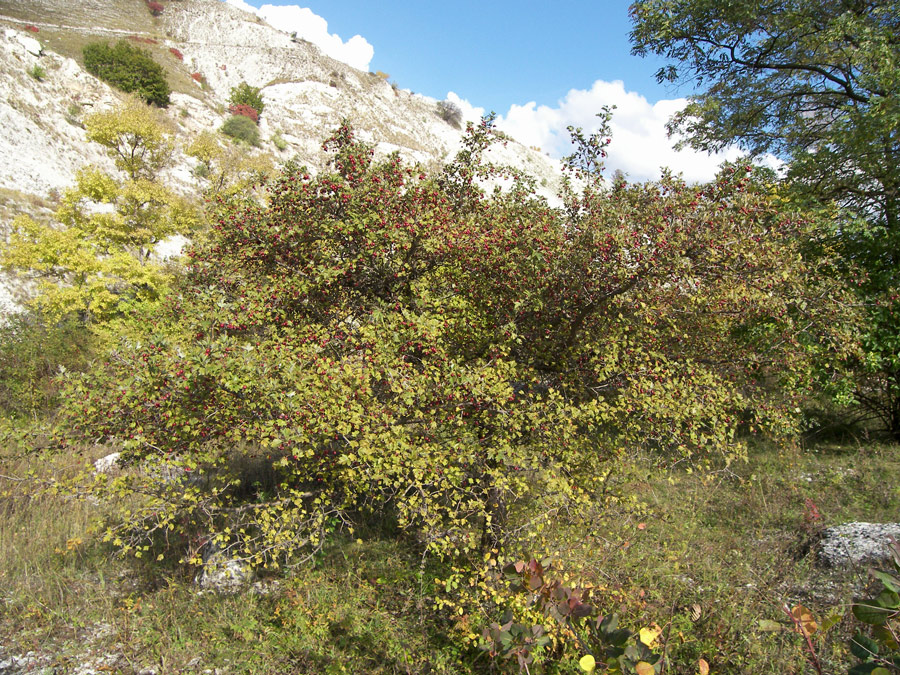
x,y
360,608
103,14
706,556
737,545
90,21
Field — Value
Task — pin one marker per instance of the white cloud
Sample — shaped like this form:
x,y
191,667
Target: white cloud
x,y
356,51
240,4
640,146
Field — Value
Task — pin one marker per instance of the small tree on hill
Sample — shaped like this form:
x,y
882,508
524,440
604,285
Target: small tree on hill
x,y
450,113
99,262
244,94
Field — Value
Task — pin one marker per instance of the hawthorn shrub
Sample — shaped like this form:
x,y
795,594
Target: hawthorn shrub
x,y
245,95
241,128
128,68
469,366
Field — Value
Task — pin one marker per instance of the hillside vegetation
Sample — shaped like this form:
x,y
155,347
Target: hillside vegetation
x,y
393,411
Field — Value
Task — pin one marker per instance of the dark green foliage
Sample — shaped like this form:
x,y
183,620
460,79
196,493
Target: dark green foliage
x,y
878,652
128,68
241,128
32,353
817,85
594,634
244,94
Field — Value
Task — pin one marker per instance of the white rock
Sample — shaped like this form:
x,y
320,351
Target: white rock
x,y
107,463
223,574
857,544
30,45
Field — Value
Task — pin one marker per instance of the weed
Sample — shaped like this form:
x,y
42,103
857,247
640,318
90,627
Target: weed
x,y
279,141
37,72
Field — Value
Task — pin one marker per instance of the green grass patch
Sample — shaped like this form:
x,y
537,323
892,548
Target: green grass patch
x,y
707,557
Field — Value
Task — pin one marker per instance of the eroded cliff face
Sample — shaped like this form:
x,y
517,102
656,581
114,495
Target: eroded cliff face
x,y
306,94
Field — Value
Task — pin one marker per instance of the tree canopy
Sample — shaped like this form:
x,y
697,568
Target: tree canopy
x,y
818,84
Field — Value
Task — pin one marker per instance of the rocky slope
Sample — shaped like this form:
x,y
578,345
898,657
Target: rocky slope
x,y
306,94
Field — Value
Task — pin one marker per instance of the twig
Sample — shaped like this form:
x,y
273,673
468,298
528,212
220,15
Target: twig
x,y
813,657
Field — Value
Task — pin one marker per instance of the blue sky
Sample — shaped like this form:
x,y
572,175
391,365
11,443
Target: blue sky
x,y
497,53
541,66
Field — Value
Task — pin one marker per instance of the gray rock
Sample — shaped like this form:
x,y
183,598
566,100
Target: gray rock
x,y
857,544
222,573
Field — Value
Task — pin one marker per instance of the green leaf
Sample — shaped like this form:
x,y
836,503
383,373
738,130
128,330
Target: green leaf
x,y
863,647
890,582
871,614
864,669
888,599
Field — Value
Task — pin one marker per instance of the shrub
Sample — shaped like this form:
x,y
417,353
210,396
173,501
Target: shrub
x,y
37,72
246,111
244,94
128,68
279,141
177,53
450,113
33,351
32,29
155,8
242,129
388,341
197,77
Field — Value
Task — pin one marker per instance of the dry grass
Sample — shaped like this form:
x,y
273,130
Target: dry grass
x,y
129,15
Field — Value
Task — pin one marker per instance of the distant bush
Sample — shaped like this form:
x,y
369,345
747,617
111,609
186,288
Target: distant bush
x,y
155,8
128,68
33,29
177,53
450,113
244,94
242,129
246,111
37,72
279,141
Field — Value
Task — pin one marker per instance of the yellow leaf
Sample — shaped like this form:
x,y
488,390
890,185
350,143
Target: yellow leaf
x,y
804,619
644,668
587,663
649,635
704,667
